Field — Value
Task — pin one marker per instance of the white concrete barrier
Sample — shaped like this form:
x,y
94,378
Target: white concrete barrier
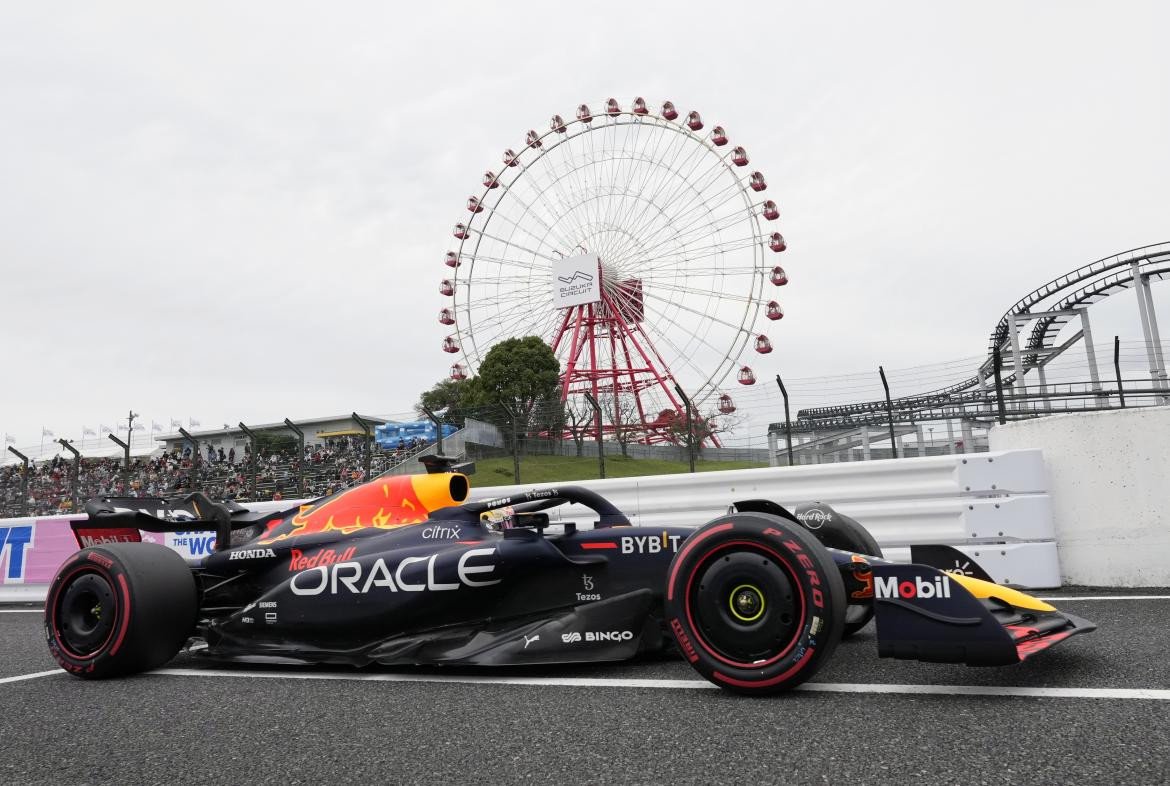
x,y
994,507
1110,485
968,502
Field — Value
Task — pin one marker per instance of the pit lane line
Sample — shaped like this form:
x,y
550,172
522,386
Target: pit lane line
x,y
1141,694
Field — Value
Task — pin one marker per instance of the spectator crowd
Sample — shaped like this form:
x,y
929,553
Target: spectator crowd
x,y
326,468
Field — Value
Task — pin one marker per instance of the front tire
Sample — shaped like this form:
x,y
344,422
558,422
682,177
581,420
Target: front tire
x,y
119,609
755,602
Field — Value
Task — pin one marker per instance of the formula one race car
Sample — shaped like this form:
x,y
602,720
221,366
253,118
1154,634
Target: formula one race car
x,y
402,570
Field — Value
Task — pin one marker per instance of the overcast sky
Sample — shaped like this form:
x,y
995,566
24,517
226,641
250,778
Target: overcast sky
x,y
239,211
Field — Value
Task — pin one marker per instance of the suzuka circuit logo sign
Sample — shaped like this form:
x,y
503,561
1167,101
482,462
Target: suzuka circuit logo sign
x,y
575,281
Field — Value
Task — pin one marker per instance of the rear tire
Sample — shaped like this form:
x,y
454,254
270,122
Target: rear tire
x,y
119,609
755,602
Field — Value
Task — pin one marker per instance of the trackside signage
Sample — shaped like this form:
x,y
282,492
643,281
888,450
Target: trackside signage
x,y
576,281
907,589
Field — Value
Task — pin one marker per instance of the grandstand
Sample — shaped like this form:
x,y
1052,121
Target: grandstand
x,y
60,485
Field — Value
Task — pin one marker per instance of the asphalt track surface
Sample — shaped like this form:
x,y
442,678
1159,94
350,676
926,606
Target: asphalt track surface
x,y
1098,713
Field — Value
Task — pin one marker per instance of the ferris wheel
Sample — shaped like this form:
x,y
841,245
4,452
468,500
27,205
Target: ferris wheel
x,y
639,243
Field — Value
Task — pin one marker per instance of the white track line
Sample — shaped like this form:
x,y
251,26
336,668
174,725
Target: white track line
x,y
32,676
22,611
1058,598
1147,694
593,682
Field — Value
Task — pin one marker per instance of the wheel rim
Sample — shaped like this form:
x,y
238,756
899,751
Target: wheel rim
x,y
746,605
86,613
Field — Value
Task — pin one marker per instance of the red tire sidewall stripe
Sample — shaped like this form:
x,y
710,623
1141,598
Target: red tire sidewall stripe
x,y
796,581
765,683
125,614
691,542
51,609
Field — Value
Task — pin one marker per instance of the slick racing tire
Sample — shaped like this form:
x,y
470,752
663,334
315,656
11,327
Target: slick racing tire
x,y
119,609
755,602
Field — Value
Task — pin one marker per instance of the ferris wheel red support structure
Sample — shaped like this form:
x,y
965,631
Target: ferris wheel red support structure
x,y
591,324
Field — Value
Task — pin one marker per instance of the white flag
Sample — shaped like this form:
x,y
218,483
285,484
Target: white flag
x,y
46,433
105,429
8,438
86,431
193,422
176,423
155,426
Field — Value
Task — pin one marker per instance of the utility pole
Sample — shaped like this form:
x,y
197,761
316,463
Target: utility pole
x,y
600,443
76,473
690,425
126,456
513,416
889,411
997,361
367,448
194,460
1116,370
438,428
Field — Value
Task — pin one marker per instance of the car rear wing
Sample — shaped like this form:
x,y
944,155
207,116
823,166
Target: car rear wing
x,y
123,519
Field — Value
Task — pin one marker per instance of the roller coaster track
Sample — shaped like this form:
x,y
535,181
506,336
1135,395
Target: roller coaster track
x,y
1082,287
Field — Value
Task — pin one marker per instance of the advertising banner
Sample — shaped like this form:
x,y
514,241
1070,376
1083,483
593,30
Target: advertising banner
x,y
576,280
31,550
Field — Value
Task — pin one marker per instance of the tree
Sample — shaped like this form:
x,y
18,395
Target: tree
x,y
705,427
578,418
455,395
519,374
623,412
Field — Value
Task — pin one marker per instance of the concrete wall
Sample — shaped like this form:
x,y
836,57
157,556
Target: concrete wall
x,y
1110,487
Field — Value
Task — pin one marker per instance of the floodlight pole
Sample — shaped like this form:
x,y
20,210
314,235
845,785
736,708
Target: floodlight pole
x,y
600,443
251,459
23,480
300,456
195,458
690,425
76,471
787,421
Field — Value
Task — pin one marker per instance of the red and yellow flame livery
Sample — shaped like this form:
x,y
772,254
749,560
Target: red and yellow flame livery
x,y
384,503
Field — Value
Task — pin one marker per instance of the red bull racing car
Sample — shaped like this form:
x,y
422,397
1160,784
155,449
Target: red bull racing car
x,y
404,570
